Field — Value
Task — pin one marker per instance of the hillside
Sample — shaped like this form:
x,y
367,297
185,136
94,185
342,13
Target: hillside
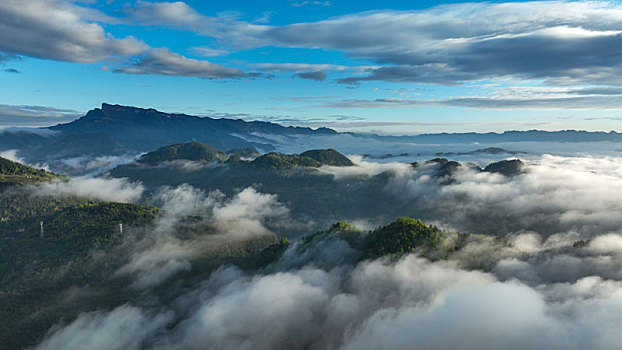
x,y
193,151
311,158
13,173
199,152
328,157
404,235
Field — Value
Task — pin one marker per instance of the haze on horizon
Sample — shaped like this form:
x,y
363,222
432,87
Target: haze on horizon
x,y
393,67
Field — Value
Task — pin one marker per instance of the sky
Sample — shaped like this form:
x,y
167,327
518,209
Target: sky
x,y
388,67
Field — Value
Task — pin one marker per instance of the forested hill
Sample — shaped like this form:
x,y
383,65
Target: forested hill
x,y
13,173
199,152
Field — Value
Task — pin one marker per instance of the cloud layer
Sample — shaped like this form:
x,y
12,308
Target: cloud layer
x,y
554,281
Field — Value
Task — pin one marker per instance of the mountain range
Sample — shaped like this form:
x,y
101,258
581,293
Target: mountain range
x,y
114,130
123,131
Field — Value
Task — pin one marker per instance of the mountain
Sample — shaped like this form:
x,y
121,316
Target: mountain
x,y
147,129
114,130
125,132
310,191
504,137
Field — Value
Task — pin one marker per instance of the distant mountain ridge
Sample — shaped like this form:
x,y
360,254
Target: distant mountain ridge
x,y
147,129
114,130
125,132
506,136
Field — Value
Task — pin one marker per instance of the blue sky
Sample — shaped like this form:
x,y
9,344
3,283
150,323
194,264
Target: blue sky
x,y
398,67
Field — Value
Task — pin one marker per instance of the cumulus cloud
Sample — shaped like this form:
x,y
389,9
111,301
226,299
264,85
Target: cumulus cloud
x,y
165,62
553,43
460,42
66,31
163,13
180,15
60,30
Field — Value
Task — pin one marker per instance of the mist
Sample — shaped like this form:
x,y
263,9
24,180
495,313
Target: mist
x,y
105,189
216,222
405,304
552,281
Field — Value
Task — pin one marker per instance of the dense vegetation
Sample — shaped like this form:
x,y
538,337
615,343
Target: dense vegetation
x,y
403,235
82,248
13,173
71,227
328,157
277,161
311,194
194,151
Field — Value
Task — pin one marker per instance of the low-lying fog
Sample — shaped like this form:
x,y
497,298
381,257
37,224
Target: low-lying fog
x,y
540,291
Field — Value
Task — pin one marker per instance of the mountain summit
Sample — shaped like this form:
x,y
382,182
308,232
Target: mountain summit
x,y
148,129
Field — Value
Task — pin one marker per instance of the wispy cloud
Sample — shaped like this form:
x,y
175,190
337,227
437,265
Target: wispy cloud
x,y
22,115
564,42
316,76
165,62
540,98
315,3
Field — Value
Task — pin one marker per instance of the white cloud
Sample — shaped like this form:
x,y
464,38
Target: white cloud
x,y
165,62
113,189
220,222
60,30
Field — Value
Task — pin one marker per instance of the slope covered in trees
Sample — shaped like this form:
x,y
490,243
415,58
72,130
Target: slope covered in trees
x,y
328,157
403,235
194,151
13,173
